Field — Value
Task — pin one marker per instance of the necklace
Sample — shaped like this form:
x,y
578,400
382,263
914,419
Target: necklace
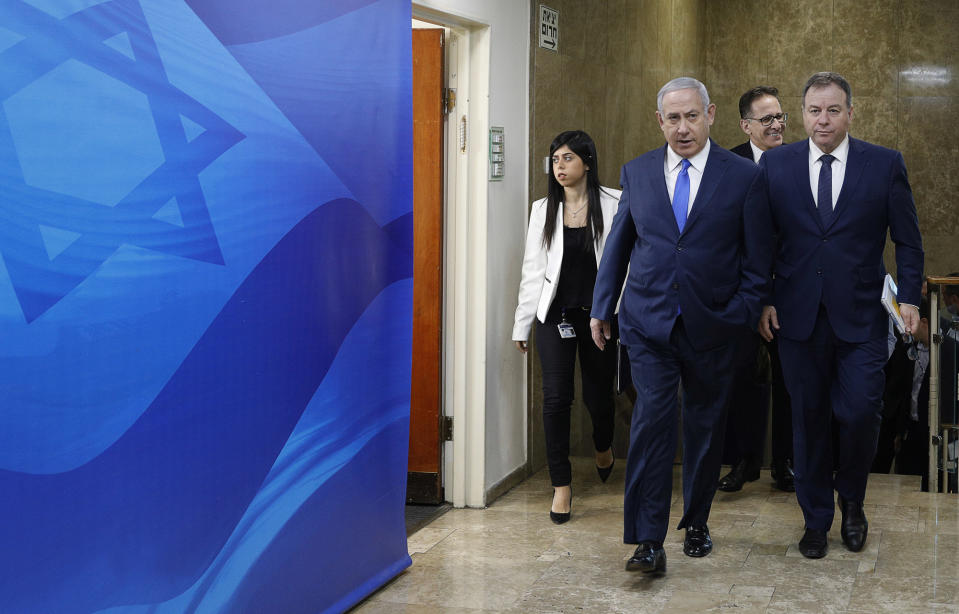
x,y
575,213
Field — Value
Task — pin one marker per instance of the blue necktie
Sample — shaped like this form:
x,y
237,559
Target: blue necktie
x,y
825,189
681,195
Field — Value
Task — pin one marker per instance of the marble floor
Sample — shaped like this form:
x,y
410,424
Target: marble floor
x,y
509,558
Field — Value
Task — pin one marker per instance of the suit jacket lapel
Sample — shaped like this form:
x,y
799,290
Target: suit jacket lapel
x,y
655,175
855,164
801,176
715,169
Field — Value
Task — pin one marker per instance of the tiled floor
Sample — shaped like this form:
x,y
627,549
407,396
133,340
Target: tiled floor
x,y
509,558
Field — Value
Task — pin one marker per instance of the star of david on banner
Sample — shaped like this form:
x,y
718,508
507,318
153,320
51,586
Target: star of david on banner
x,y
76,181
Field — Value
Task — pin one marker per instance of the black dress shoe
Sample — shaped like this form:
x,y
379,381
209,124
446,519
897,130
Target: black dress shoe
x,y
813,544
855,527
648,558
605,471
737,476
697,542
782,474
562,517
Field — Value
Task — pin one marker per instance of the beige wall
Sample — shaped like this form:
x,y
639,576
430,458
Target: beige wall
x,y
901,58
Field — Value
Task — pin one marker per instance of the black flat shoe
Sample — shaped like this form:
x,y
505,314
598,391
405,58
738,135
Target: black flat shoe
x,y
562,517
604,472
648,558
697,542
855,527
813,544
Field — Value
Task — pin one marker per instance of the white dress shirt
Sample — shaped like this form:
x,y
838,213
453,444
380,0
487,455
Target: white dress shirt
x,y
841,153
757,152
697,165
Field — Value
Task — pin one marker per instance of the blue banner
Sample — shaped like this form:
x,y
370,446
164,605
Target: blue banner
x,y
205,303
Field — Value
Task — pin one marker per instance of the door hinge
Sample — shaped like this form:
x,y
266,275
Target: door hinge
x,y
447,428
449,100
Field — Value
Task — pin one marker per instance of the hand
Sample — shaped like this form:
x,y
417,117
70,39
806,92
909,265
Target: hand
x,y
521,346
768,321
600,331
910,317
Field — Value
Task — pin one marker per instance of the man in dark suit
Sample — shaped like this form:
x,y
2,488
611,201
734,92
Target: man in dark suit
x,y
685,305
764,123
830,201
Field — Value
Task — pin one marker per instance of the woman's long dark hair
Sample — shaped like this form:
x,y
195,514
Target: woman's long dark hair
x,y
582,145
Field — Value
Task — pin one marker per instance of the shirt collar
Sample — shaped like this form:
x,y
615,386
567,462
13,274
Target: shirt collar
x,y
698,161
757,152
841,152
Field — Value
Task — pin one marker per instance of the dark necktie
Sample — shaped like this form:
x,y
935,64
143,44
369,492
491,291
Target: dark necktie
x,y
825,189
681,195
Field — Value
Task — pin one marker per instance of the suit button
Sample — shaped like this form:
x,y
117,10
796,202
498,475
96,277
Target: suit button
x,y
818,271
824,239
679,247
675,286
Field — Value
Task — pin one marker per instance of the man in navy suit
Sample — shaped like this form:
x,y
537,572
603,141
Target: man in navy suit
x,y
830,200
686,304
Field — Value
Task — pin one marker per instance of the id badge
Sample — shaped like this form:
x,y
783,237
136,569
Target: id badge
x,y
566,330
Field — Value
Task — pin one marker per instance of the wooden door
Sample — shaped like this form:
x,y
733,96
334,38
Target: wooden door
x,y
424,481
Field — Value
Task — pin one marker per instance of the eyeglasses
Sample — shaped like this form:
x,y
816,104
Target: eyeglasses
x,y
767,120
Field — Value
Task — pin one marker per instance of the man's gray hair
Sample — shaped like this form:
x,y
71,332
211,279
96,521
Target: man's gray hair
x,y
682,83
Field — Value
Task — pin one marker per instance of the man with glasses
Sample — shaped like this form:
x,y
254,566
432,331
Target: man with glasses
x,y
818,215
763,121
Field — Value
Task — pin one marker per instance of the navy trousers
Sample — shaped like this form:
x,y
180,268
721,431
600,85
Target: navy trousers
x,y
828,377
657,371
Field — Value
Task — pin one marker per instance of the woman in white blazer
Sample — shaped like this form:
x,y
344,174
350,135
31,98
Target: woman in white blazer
x,y
564,244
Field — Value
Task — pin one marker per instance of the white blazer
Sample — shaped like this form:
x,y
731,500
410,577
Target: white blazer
x,y
541,266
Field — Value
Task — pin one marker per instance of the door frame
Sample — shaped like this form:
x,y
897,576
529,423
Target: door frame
x,y
465,271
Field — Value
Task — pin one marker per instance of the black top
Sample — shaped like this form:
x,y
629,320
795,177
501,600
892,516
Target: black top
x,y
577,276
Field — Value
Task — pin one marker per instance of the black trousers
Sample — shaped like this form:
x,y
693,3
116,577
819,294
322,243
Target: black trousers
x,y
913,456
748,407
557,357
782,415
